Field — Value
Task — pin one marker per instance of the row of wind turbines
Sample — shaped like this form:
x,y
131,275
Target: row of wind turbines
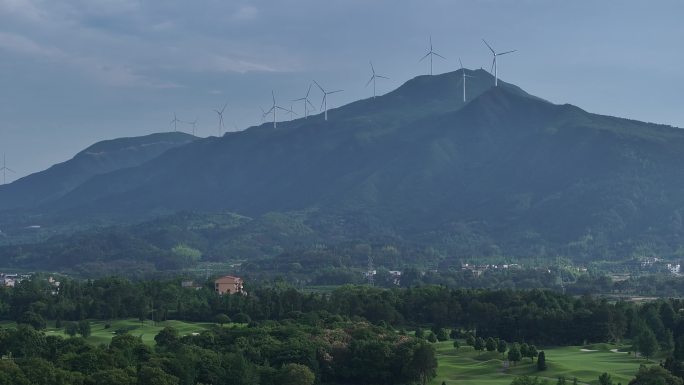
x,y
309,107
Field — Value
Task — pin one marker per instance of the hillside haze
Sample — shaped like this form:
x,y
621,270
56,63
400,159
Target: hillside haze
x,y
100,158
505,173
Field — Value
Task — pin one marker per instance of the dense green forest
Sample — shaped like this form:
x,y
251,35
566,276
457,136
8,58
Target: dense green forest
x,y
354,334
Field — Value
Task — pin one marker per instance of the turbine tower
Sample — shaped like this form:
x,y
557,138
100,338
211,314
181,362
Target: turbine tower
x,y
431,53
4,170
306,102
194,126
291,112
274,108
220,116
464,79
324,102
175,121
494,66
373,77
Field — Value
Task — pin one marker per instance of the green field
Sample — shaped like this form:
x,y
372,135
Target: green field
x,y
146,330
468,367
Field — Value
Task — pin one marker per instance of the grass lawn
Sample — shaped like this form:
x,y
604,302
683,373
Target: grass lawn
x,y
468,367
146,330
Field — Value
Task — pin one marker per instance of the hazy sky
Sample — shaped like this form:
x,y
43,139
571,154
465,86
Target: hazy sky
x,y
73,72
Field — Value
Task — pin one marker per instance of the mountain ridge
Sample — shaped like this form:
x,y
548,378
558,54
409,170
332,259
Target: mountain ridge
x,y
505,172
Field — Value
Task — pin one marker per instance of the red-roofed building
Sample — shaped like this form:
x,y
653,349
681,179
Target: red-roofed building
x,y
228,285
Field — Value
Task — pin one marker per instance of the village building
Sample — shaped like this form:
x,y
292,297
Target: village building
x,y
228,285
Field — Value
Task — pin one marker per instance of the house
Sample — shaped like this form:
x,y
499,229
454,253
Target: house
x,y
228,285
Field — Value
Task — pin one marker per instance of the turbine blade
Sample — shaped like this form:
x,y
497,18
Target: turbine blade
x,y
319,86
323,101
309,90
332,92
493,64
426,55
311,104
372,68
370,80
435,53
380,76
504,53
460,62
488,46
298,100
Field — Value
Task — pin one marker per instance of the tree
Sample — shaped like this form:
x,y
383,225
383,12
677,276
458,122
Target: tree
x,y
149,375
84,328
111,377
431,337
424,362
33,319
654,375
525,380
71,328
524,350
479,344
222,319
490,344
442,334
541,361
501,347
470,340
166,337
604,379
295,374
419,333
456,344
561,381
646,343
532,352
242,318
514,353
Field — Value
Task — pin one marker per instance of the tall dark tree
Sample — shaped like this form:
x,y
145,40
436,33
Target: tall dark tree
x,y
541,361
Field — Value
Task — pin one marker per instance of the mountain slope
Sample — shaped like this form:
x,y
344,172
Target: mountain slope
x,y
506,173
100,158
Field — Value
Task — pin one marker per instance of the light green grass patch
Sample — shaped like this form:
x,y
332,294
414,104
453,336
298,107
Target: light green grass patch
x,y
468,367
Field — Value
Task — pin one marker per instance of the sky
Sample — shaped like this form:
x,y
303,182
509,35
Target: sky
x,y
74,72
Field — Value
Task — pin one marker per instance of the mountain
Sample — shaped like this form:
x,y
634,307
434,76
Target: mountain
x,y
506,173
100,158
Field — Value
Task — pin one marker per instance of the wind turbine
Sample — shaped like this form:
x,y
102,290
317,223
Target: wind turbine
x,y
464,79
373,77
431,53
494,66
274,108
220,116
175,122
291,112
306,101
324,102
4,170
194,125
